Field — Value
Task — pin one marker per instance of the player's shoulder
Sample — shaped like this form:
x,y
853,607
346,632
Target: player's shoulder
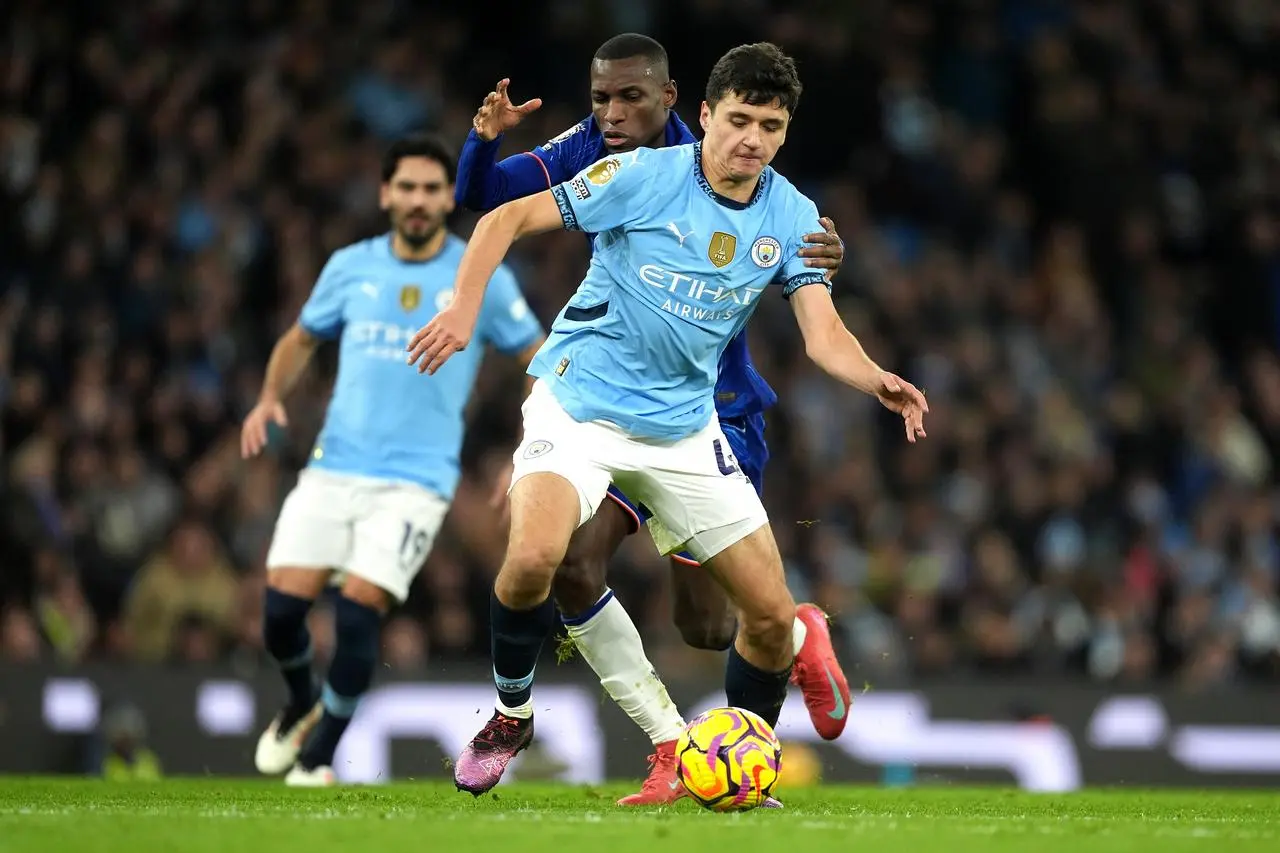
x,y
781,190
785,198
573,133
365,251
632,169
578,143
668,154
672,162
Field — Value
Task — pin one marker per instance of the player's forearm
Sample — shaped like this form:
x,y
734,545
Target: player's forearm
x,y
477,163
288,360
484,183
489,244
841,355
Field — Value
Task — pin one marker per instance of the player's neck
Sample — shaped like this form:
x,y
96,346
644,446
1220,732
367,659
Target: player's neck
x,y
428,250
740,191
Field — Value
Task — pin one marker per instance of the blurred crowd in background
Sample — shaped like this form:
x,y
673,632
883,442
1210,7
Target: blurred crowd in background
x,y
1062,221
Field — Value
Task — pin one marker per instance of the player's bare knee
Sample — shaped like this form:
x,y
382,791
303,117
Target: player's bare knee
x,y
365,593
579,582
720,631
704,627
713,632
770,629
305,583
525,577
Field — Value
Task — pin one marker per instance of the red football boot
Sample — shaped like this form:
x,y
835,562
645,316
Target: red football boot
x,y
662,788
818,675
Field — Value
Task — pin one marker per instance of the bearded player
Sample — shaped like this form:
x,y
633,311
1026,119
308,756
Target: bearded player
x,y
384,468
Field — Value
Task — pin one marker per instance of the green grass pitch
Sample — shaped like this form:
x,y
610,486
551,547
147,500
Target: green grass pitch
x,y
233,816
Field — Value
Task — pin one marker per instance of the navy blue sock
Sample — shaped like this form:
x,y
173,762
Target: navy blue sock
x,y
747,686
358,634
285,635
517,637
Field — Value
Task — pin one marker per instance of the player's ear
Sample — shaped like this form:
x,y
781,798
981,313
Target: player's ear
x,y
704,116
384,196
669,94
450,203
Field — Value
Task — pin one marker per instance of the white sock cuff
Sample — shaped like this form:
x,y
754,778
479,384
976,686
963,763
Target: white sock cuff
x,y
580,621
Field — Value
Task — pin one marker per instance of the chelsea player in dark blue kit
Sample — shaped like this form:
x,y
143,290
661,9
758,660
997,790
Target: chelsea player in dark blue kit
x,y
632,98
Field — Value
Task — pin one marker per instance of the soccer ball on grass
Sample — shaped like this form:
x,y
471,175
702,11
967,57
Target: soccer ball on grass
x,y
728,760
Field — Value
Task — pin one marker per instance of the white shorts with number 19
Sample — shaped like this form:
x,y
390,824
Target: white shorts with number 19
x,y
699,497
377,530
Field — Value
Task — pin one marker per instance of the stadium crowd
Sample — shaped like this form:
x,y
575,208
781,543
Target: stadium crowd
x,y
1062,222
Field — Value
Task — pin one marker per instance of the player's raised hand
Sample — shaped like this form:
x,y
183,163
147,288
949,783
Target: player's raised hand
x,y
824,250
253,434
497,114
447,333
900,396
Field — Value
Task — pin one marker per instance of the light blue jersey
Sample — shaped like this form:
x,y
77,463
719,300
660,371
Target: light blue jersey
x,y
385,420
676,272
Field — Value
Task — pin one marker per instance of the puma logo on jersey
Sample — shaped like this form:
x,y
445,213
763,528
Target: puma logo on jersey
x,y
671,226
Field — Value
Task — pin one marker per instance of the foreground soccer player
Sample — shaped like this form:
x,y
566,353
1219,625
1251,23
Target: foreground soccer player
x,y
626,380
385,466
632,97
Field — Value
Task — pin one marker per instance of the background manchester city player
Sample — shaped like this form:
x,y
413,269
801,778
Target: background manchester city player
x,y
386,462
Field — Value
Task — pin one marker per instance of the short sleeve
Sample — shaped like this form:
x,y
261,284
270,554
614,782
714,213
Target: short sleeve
x,y
793,274
322,315
607,194
507,323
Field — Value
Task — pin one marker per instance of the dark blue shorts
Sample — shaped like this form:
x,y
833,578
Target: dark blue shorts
x,y
746,441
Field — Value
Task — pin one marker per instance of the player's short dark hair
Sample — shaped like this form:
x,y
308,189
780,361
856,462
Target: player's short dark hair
x,y
629,45
758,73
418,145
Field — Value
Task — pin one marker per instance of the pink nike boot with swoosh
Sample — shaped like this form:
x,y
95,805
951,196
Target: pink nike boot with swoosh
x,y
818,674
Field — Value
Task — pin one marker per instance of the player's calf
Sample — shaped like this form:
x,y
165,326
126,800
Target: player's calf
x,y
544,514
603,633
357,617
701,610
287,602
545,510
759,662
756,675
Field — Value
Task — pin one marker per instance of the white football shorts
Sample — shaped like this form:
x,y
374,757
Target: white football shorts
x,y
693,485
377,530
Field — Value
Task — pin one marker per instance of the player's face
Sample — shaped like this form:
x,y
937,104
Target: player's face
x,y
741,138
630,102
419,197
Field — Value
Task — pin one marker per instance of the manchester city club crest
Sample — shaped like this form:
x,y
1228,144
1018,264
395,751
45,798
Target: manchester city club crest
x,y
766,252
410,297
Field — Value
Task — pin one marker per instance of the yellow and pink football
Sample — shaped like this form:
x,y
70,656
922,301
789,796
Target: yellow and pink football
x,y
728,760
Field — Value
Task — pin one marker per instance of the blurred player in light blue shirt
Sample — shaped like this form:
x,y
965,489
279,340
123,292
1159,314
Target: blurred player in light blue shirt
x,y
384,468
